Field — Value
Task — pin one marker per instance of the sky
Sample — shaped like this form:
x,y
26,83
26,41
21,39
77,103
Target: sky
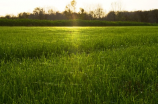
x,y
14,7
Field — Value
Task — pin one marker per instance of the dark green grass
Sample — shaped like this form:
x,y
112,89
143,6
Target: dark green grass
x,y
84,65
33,22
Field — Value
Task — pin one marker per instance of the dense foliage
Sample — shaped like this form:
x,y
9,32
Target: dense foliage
x,y
30,22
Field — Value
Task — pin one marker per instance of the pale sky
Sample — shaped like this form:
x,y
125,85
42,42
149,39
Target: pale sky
x,y
16,6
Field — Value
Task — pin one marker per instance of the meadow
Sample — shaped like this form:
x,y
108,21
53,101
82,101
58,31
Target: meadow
x,y
79,65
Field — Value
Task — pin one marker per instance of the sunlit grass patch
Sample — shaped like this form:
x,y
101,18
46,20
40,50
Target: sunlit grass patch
x,y
78,65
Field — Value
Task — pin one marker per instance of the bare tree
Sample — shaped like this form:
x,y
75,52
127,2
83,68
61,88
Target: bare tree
x,y
99,11
51,11
73,5
70,10
116,6
116,9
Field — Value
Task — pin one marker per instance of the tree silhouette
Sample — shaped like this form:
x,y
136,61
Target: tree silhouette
x,y
99,12
91,12
70,10
23,15
82,14
39,12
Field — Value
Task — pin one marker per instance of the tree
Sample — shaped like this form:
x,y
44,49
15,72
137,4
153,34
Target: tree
x,y
153,16
91,14
116,9
23,15
99,12
111,16
39,12
73,5
50,11
8,16
81,13
81,10
116,6
70,10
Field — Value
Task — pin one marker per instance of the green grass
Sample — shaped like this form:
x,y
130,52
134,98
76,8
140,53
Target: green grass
x,y
79,65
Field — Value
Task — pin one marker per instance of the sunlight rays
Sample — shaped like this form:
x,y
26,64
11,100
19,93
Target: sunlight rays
x,y
74,38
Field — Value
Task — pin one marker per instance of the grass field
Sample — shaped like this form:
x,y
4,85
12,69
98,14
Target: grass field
x,y
79,65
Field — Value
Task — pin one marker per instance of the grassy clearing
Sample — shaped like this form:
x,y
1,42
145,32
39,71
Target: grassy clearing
x,y
82,65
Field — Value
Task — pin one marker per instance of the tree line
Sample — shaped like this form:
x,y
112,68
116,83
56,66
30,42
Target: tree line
x,y
116,14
